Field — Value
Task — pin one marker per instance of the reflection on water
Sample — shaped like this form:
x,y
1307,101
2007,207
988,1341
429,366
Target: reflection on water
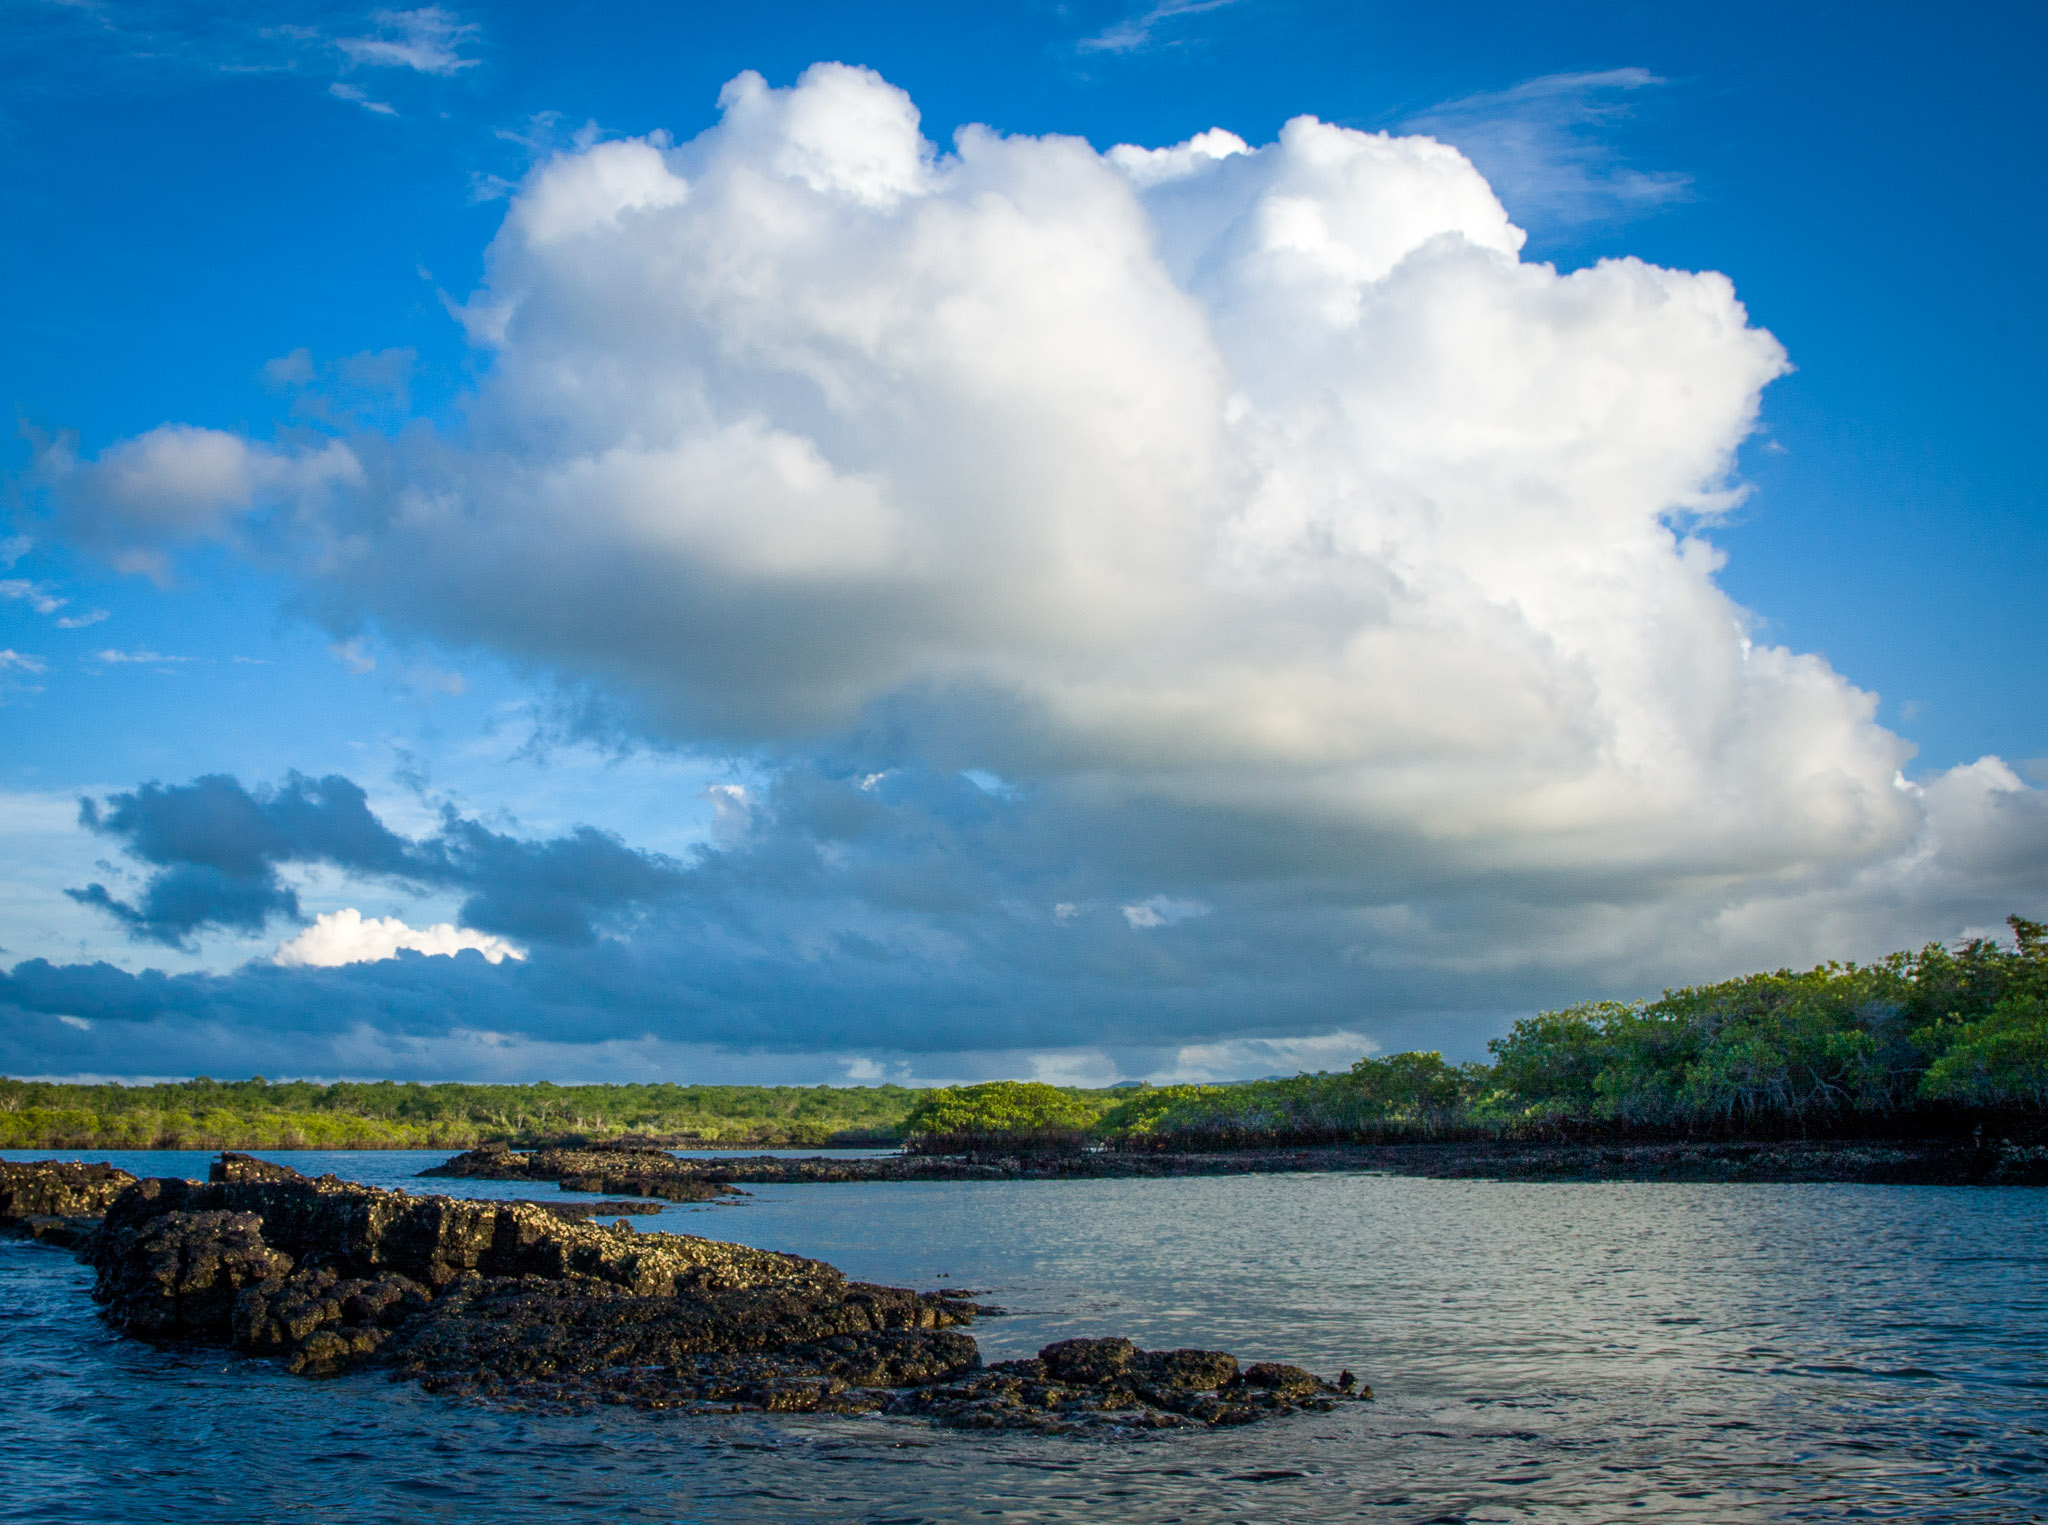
x,y
1540,1351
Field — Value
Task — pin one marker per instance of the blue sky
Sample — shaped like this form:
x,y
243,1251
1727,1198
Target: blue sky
x,y
1040,612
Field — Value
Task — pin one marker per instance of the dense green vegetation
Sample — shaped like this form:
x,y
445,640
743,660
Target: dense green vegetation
x,y
1002,1106
1946,1039
256,1114
1939,1040
1005,1112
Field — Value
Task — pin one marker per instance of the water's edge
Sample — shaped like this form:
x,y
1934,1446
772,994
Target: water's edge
x,y
1542,1352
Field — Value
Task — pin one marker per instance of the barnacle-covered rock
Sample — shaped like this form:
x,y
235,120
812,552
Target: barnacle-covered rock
x,y
517,1303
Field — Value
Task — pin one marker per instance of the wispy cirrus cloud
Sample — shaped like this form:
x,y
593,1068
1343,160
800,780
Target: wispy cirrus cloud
x,y
15,668
1546,146
321,41
428,41
341,90
1149,28
36,595
140,657
45,600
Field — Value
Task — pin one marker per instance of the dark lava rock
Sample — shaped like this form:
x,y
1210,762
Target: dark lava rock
x,y
638,1170
517,1302
783,1348
322,1322
58,1188
583,1212
626,1169
177,1274
1083,1386
247,1167
614,1169
56,1201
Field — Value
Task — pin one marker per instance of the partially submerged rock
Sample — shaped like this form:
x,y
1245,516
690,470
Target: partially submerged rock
x,y
59,1201
613,1170
237,1167
583,1212
636,1169
631,1169
515,1301
1088,1385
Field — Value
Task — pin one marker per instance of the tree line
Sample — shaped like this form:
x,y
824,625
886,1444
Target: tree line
x,y
296,1114
1941,1040
1945,1039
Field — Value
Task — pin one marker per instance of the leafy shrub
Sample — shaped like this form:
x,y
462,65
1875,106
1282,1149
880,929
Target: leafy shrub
x,y
1999,1061
999,1106
1402,1095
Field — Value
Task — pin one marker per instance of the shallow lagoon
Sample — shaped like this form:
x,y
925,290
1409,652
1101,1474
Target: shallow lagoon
x,y
1541,1352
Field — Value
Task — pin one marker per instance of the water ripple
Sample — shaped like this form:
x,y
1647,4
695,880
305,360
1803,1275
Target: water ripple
x,y
1542,1352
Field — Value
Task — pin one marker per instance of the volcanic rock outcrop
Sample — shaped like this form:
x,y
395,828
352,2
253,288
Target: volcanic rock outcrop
x,y
60,1201
637,1169
515,1301
1095,1384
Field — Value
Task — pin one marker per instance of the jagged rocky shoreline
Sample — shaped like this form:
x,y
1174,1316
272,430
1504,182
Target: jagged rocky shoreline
x,y
632,1169
521,1302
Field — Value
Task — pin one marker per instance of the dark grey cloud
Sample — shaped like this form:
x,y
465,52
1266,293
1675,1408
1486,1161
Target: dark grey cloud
x,y
216,848
917,917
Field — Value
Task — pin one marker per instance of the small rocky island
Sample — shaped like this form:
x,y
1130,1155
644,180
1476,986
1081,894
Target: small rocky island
x,y
644,1168
523,1302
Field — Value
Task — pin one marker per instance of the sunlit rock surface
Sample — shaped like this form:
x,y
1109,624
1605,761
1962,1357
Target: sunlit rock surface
x,y
517,1302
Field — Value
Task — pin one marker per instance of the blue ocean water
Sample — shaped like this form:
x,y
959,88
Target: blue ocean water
x,y
1541,1352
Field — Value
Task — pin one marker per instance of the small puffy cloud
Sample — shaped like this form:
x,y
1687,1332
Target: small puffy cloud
x,y
176,484
294,369
353,655
348,937
19,661
1158,911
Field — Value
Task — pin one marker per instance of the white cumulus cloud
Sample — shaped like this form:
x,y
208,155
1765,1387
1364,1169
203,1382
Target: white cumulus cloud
x,y
349,937
1257,512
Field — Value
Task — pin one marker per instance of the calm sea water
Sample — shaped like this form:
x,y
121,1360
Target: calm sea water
x,y
1541,1352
